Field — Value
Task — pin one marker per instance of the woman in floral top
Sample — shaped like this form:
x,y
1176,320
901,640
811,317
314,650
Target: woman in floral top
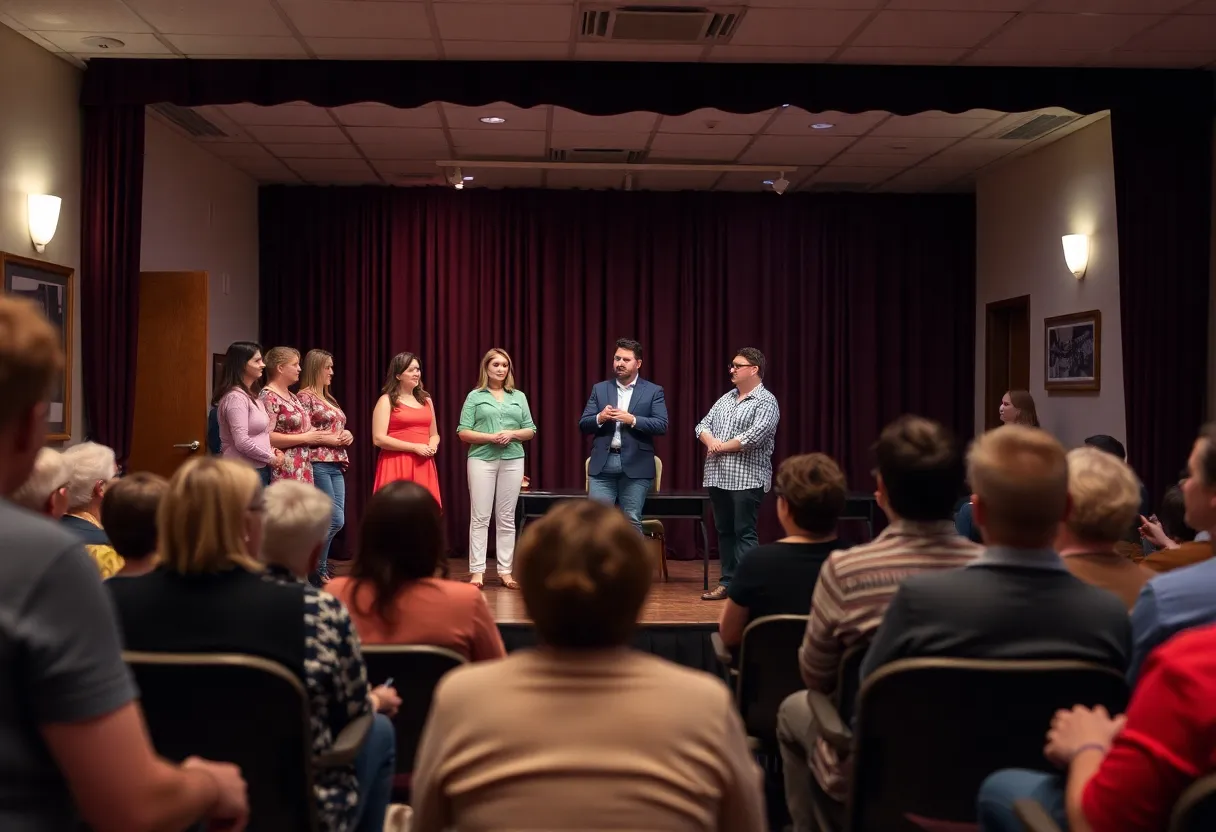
x,y
329,462
290,424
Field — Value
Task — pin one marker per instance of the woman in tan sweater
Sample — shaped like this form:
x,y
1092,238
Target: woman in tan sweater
x,y
584,732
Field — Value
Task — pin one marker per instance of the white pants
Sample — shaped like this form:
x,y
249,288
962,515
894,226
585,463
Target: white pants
x,y
493,486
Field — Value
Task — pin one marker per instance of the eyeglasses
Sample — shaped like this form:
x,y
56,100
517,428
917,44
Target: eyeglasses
x,y
734,365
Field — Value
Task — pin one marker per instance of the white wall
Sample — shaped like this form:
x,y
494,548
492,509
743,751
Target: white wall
x,y
1024,207
200,214
40,141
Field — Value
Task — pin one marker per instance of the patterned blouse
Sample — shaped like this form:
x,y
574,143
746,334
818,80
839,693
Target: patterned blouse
x,y
287,415
336,681
328,417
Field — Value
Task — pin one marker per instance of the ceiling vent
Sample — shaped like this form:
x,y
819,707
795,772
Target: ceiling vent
x,y
596,155
660,24
190,121
1038,126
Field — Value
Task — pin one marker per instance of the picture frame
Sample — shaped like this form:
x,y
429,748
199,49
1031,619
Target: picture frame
x,y
1072,352
52,287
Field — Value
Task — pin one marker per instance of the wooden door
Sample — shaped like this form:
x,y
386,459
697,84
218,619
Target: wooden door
x,y
172,385
1006,353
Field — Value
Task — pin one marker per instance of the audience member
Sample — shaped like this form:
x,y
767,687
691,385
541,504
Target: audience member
x,y
1185,597
1105,498
919,475
1017,408
208,595
73,746
1174,543
90,468
295,534
46,490
396,592
1114,447
1018,601
128,514
778,578
583,731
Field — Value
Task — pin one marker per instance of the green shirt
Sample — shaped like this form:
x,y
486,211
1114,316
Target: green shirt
x,y
485,414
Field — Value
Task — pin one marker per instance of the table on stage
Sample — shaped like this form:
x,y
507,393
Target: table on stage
x,y
677,505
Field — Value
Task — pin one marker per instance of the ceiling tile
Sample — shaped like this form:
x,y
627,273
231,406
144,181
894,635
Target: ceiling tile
x,y
943,29
637,52
314,151
695,147
296,114
233,46
386,135
962,5
1071,31
1112,6
671,180
564,120
797,122
71,42
794,150
371,48
273,134
771,54
1031,57
743,181
903,55
469,118
512,144
876,160
332,168
213,17
500,22
12,23
344,19
41,41
843,174
1178,60
617,140
74,15
796,27
1202,7
241,151
382,115
507,178
911,146
480,50
417,171
1184,32
939,125
413,144
816,4
716,122
926,180
598,180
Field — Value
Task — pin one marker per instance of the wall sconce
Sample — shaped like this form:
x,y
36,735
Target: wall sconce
x,y
1076,253
44,219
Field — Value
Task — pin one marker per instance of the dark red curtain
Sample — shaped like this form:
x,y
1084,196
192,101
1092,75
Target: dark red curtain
x,y
111,224
1163,199
863,304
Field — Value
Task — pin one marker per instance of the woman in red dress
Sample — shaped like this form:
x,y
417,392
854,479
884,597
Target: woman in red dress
x,y
405,429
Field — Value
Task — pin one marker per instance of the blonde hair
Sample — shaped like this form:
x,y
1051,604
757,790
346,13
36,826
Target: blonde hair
x,y
277,357
1105,496
29,358
88,464
201,520
310,378
297,520
1020,475
50,474
483,378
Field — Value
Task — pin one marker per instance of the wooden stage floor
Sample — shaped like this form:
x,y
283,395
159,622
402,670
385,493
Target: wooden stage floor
x,y
674,602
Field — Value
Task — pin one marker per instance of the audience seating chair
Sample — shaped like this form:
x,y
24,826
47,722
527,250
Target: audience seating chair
x,y
415,670
1195,810
653,529
244,710
766,673
928,731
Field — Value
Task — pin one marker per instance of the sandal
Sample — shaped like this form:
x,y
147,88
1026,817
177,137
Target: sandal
x,y
509,582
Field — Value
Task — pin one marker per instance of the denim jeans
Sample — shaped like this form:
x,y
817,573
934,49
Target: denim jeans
x,y
735,521
1002,788
265,472
611,486
374,769
328,477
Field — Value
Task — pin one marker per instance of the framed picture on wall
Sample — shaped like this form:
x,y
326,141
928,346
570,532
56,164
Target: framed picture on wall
x,y
49,286
1072,352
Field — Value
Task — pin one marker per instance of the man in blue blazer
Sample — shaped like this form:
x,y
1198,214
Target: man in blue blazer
x,y
625,415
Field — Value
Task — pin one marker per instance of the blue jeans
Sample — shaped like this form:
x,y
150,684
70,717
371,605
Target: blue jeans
x,y
735,521
998,793
374,769
328,477
611,486
265,473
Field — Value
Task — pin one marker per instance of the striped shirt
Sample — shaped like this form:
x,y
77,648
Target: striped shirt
x,y
752,419
855,586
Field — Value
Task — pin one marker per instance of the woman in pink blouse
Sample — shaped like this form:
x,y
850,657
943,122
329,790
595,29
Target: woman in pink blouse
x,y
291,428
244,428
329,462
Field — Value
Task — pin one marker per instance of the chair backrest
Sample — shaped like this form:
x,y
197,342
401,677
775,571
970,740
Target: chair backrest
x,y
1195,811
768,672
238,709
848,681
654,486
415,670
928,731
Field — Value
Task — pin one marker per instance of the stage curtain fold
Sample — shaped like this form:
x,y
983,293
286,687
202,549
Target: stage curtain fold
x,y
863,304
1163,198
111,225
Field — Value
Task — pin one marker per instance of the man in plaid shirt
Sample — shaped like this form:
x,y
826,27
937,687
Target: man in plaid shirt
x,y
738,433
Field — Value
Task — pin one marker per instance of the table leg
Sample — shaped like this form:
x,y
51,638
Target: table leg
x,y
705,549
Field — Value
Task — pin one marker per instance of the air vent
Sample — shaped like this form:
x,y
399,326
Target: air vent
x,y
190,121
1038,126
596,154
660,24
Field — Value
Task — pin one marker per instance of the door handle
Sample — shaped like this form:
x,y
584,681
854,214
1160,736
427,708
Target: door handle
x,y
189,446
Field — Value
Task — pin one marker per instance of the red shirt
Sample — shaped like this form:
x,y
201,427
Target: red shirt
x,y
1168,743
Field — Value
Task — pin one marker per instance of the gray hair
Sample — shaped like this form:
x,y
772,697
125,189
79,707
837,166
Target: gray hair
x,y
88,464
50,474
297,520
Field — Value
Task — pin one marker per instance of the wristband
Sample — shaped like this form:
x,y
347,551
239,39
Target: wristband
x,y
1089,746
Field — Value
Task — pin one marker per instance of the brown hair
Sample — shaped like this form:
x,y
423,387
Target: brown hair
x,y
585,573
483,378
814,488
400,363
29,358
754,356
921,468
400,541
201,521
310,377
277,357
1024,402
128,513
1020,474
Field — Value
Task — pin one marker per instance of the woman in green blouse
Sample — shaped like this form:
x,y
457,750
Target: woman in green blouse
x,y
495,422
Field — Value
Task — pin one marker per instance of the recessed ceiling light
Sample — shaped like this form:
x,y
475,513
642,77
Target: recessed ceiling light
x,y
98,42
783,106
492,120
468,179
767,182
822,125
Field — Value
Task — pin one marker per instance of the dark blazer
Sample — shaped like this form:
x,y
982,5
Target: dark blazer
x,y
999,611
637,441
